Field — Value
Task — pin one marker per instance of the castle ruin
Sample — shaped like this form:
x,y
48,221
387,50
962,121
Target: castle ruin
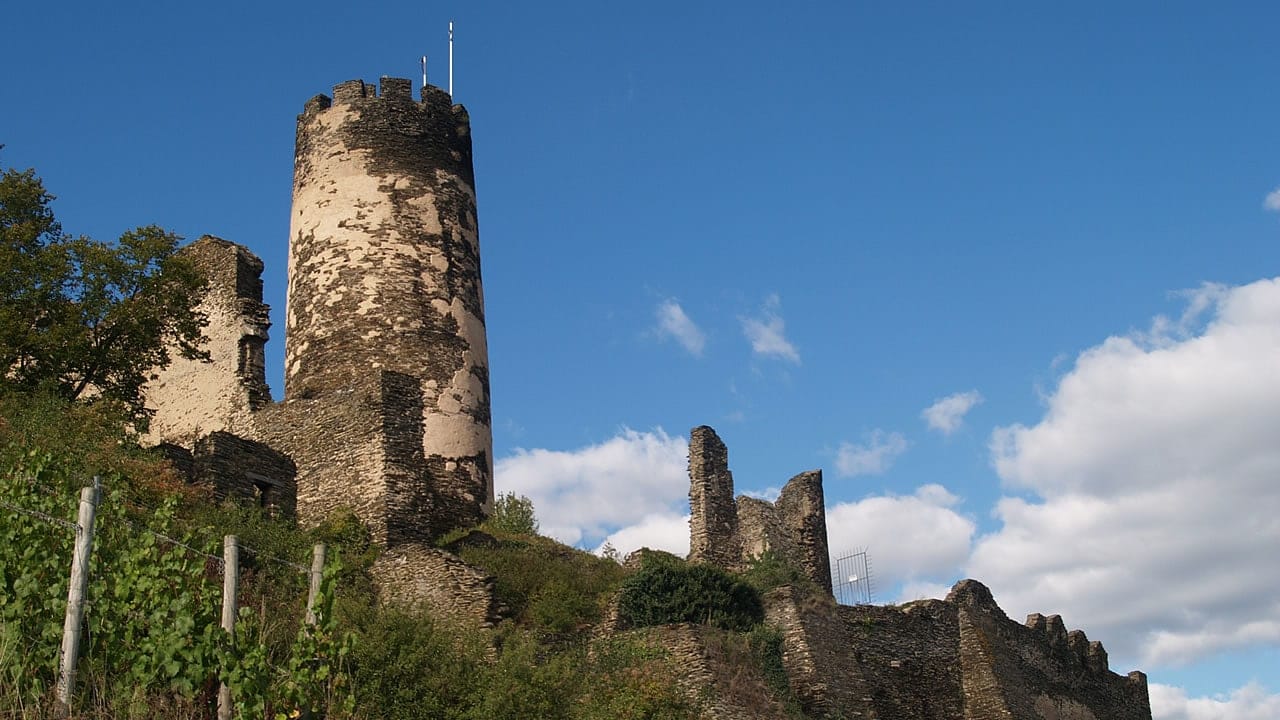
x,y
386,412
386,398
960,658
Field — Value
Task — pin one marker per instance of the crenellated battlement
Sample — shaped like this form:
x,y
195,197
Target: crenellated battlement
x,y
435,100
1090,654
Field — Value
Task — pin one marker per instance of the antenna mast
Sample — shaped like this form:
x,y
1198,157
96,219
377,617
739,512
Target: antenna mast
x,y
424,72
450,58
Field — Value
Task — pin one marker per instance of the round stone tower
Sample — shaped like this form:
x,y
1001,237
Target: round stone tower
x,y
384,281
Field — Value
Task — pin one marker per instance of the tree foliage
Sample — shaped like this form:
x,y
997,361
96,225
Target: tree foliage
x,y
667,590
88,319
514,514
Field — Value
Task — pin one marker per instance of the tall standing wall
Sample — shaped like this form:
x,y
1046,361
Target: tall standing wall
x,y
384,276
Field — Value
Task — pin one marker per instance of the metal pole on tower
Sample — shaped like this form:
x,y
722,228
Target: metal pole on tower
x,y
424,72
450,58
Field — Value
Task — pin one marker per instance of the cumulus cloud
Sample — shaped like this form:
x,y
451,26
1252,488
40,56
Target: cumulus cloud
x,y
1250,702
947,414
583,495
660,531
674,323
871,457
1272,201
768,332
1151,503
910,539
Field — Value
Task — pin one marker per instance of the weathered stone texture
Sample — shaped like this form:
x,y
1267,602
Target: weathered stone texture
x,y
246,470
727,686
713,524
1039,669
439,582
803,513
384,276
954,659
192,398
730,534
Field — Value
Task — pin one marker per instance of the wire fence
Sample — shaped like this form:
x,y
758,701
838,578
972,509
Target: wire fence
x,y
91,497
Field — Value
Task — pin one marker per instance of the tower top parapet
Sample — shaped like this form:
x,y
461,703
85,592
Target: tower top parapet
x,y
388,89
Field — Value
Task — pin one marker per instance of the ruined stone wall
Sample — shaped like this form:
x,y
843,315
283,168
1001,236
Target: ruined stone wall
x,y
909,656
760,529
954,659
802,511
818,655
246,470
713,522
730,533
439,582
1038,669
192,398
714,669
384,274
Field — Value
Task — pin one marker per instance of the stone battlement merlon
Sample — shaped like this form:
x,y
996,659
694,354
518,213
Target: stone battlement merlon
x,y
1053,630
436,100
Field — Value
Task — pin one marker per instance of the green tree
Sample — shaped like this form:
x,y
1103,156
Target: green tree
x,y
513,513
88,319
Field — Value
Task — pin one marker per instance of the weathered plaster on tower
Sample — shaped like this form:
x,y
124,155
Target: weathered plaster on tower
x,y
384,277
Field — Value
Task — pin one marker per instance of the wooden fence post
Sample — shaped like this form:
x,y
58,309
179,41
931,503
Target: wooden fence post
x,y
75,596
317,575
230,588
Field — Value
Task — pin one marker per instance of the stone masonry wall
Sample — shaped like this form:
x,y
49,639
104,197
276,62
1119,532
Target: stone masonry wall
x,y
1038,669
384,274
731,533
713,523
338,445
246,470
728,684
954,659
909,656
440,583
760,529
803,513
818,655
192,398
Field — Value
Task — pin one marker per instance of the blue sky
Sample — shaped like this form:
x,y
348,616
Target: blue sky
x,y
804,226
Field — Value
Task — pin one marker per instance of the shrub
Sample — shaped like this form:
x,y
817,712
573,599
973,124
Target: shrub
x,y
548,587
407,666
514,514
665,591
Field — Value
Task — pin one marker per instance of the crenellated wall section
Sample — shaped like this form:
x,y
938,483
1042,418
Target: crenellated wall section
x,y
960,658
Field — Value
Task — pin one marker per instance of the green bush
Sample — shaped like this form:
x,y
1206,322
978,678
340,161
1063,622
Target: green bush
x,y
407,666
665,591
513,514
551,588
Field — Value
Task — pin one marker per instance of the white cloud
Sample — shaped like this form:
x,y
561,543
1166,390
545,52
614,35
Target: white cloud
x,y
1250,702
909,539
1272,201
673,322
947,414
872,457
584,494
768,332
660,531
1154,474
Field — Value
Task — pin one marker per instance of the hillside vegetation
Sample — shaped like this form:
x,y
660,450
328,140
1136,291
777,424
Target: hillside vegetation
x,y
153,646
